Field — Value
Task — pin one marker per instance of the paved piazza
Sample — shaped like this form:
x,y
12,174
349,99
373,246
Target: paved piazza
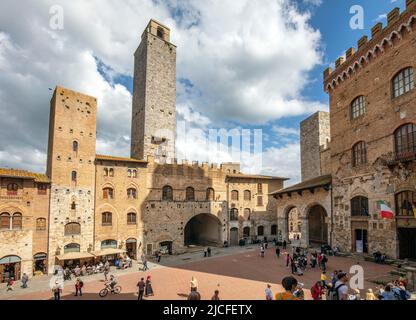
x,y
240,273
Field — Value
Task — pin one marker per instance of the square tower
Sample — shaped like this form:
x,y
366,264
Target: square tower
x,y
154,96
314,137
71,168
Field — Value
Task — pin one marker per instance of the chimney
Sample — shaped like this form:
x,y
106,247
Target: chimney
x,y
376,29
393,16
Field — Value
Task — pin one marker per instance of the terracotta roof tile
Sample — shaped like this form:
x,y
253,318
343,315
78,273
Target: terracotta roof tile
x,y
15,173
305,185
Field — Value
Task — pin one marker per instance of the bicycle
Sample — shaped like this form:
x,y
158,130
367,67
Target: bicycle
x,y
104,292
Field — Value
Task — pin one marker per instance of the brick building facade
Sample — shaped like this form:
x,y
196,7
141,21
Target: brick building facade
x,y
94,206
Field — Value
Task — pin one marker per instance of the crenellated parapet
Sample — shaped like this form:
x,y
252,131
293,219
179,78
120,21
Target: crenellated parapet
x,y
368,50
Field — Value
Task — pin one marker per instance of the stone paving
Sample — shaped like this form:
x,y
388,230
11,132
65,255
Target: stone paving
x,y
239,274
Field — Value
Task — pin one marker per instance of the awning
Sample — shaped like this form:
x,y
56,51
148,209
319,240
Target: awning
x,y
108,252
10,259
75,256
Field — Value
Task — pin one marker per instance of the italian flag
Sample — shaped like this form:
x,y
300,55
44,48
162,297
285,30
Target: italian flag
x,y
385,211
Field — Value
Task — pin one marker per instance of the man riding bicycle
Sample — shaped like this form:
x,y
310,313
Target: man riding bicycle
x,y
112,283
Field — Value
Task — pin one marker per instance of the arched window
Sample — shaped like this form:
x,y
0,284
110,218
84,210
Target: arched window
x,y
358,107
111,172
190,194
260,231
131,193
107,218
134,174
359,154
41,224
359,207
74,176
75,146
131,218
108,193
129,173
160,33
247,195
5,220
12,189
234,214
73,205
167,193
260,188
405,140
247,214
72,247
273,230
105,172
403,82
72,229
17,221
405,203
234,195
210,194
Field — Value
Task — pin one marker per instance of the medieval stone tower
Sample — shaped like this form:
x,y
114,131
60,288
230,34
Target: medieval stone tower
x,y
71,167
154,96
314,138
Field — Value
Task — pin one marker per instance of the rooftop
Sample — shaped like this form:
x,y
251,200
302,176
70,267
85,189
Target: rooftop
x,y
249,176
321,181
23,174
121,159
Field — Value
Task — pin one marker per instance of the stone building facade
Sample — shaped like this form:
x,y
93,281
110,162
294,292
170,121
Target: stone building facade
x,y
99,206
373,139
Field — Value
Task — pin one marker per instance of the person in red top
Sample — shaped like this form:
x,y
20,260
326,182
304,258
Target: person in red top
x,y
320,260
317,291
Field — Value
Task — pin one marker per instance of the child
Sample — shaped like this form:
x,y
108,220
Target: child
x,y
323,279
10,283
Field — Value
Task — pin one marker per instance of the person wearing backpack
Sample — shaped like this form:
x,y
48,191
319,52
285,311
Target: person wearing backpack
x,y
340,290
400,293
78,287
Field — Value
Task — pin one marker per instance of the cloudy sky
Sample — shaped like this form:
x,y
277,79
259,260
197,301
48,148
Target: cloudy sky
x,y
241,64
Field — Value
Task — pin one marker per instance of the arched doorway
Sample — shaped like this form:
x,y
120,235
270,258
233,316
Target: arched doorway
x,y
318,227
40,264
10,267
131,248
203,230
234,237
294,224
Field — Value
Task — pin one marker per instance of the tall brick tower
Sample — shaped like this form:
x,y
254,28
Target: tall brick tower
x,y
71,168
154,96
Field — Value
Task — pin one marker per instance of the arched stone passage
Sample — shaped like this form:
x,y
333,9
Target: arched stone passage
x,y
203,230
318,227
293,223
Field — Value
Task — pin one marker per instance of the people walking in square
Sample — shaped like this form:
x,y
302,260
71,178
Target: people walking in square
x,y
269,293
287,260
25,280
10,284
317,291
148,288
57,290
209,252
194,284
141,285
78,287
262,251
323,279
284,245
216,296
144,262
370,295
278,252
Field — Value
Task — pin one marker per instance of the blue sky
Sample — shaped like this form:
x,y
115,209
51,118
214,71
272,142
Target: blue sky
x,y
252,64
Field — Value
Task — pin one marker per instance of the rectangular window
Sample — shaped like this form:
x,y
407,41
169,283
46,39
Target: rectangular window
x,y
260,201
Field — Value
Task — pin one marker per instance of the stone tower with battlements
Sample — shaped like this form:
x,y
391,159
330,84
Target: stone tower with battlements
x,y
154,96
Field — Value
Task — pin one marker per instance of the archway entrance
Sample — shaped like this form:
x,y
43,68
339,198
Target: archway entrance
x,y
234,237
131,248
10,268
294,224
318,228
203,230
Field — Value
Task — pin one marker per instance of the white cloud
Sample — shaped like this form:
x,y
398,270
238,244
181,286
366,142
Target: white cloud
x,y
247,64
